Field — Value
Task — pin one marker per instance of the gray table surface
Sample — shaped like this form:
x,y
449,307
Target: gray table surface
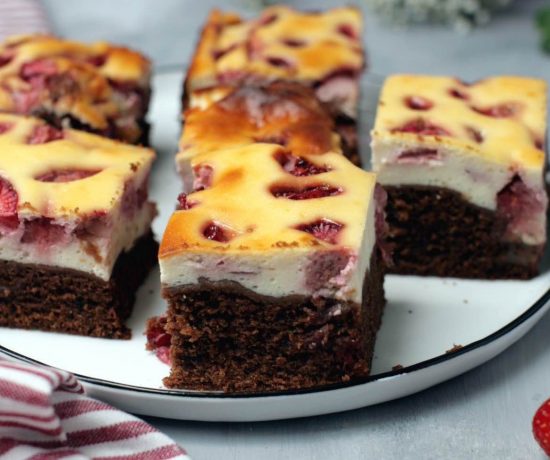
x,y
484,414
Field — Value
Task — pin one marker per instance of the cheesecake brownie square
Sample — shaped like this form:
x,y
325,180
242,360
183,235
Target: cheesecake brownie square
x,y
463,165
320,50
75,228
98,87
272,273
281,113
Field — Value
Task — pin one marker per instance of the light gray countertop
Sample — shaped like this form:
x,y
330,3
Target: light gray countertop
x,y
483,414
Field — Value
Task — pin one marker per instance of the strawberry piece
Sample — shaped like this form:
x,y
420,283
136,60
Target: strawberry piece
x,y
322,229
45,82
65,175
327,267
8,199
298,166
43,232
156,332
418,156
162,340
98,60
541,427
36,74
5,127
163,353
279,62
42,134
499,111
231,77
9,222
38,68
8,206
96,225
184,203
347,30
203,177
418,103
216,232
26,101
342,73
516,198
293,42
520,206
133,199
158,339
218,54
475,134
421,126
306,193
5,59
458,94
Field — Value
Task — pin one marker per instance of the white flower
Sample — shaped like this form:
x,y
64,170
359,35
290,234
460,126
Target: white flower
x,y
462,14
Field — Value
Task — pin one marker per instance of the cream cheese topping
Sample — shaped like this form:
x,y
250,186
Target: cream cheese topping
x,y
265,250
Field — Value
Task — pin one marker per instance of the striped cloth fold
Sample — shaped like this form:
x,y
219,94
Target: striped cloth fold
x,y
22,17
44,414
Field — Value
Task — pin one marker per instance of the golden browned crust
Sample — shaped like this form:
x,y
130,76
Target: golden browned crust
x,y
281,44
281,113
30,149
203,63
246,197
499,119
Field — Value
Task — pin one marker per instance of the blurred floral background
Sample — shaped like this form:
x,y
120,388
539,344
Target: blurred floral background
x,y
462,14
543,24
470,38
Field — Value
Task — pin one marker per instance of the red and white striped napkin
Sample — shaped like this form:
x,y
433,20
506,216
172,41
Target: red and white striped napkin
x,y
44,414
22,17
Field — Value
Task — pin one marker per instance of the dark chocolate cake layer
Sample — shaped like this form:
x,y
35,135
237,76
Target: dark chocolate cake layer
x,y
227,338
347,129
434,231
62,300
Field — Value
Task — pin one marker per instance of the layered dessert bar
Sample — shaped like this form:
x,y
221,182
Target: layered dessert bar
x,y
271,272
320,50
281,113
99,88
463,166
75,228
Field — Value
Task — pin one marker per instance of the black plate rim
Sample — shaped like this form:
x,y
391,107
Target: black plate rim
x,y
535,308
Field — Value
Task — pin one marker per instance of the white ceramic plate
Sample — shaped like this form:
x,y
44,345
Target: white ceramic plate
x,y
424,319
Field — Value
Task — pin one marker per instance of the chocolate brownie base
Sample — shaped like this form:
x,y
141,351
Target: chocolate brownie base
x,y
434,231
227,338
63,300
347,129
